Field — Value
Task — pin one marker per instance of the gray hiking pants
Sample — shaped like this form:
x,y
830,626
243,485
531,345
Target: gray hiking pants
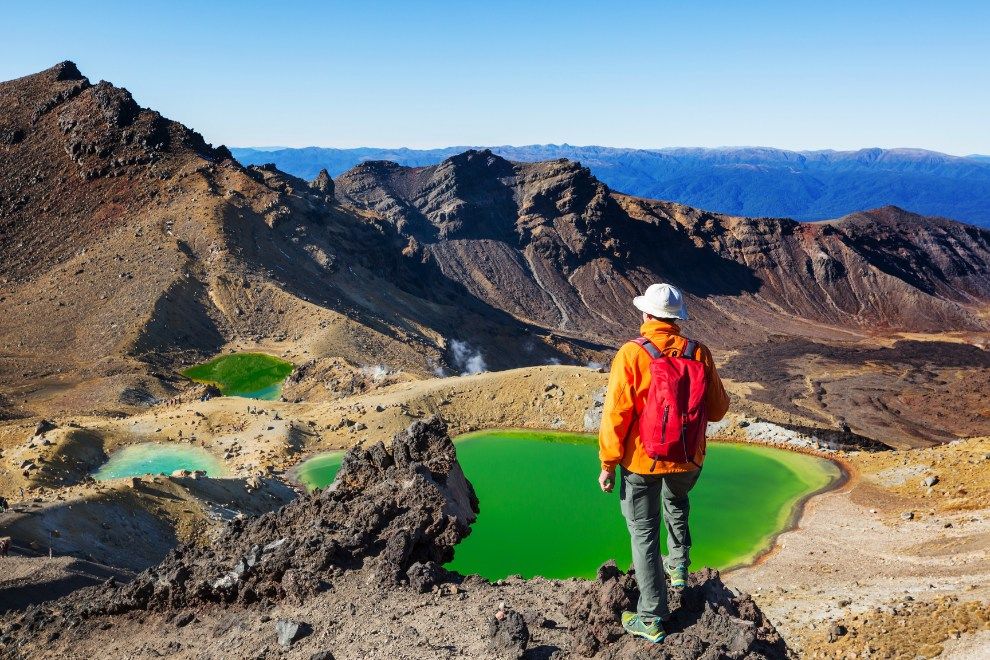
x,y
642,496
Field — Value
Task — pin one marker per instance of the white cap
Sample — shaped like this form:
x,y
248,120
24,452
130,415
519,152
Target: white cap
x,y
662,301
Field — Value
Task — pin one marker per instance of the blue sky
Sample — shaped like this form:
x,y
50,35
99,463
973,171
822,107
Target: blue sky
x,y
796,75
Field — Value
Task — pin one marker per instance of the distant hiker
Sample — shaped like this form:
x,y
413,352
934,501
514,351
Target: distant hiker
x,y
4,546
662,391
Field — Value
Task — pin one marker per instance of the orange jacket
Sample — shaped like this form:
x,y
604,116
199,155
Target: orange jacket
x,y
628,385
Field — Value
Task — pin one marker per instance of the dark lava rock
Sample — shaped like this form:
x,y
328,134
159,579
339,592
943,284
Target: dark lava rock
x,y
184,619
535,619
837,631
508,635
138,395
44,426
322,655
10,135
424,576
707,621
210,392
289,631
323,183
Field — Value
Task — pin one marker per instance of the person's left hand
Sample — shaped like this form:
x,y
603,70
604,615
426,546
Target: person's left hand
x,y
606,480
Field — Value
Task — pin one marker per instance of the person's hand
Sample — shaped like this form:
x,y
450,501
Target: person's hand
x,y
607,480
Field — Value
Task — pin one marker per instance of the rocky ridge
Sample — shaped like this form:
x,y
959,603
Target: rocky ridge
x,y
745,181
550,243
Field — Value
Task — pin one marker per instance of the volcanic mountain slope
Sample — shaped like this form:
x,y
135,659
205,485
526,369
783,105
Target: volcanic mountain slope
x,y
549,243
129,247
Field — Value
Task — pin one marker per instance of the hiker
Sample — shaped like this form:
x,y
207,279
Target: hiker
x,y
4,546
663,389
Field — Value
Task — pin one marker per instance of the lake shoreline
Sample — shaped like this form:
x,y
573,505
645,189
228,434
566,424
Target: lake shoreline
x,y
818,476
847,478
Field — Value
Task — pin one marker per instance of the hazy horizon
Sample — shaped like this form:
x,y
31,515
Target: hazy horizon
x,y
725,147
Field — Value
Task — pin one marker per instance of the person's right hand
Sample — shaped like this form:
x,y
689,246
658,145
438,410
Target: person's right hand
x,y
606,480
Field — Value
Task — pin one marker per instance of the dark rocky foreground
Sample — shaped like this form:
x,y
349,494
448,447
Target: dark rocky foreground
x,y
356,571
708,621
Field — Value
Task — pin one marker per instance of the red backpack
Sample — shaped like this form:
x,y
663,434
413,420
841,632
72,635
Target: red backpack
x,y
673,422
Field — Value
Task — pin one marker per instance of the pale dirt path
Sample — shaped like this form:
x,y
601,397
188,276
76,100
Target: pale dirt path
x,y
853,553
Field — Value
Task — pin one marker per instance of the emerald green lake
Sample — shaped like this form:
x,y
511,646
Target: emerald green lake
x,y
542,512
250,375
155,458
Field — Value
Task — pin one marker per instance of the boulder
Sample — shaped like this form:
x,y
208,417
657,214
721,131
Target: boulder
x,y
289,631
321,655
508,634
423,576
44,426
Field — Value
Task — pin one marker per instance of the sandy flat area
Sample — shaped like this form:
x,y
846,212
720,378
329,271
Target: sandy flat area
x,y
898,586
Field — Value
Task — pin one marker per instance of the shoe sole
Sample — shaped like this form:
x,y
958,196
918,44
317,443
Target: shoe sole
x,y
649,638
655,640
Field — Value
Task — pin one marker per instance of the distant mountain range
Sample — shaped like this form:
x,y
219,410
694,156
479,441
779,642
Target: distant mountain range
x,y
748,181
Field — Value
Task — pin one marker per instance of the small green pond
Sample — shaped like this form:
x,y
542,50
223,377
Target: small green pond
x,y
250,375
155,458
542,512
319,471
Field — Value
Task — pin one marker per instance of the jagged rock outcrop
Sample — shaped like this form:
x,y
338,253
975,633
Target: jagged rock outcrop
x,y
323,183
389,509
708,621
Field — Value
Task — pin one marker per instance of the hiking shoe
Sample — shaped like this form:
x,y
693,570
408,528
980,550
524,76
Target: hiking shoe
x,y
651,632
678,575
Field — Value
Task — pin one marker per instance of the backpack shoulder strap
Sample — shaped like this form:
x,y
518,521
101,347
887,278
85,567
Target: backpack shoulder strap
x,y
648,346
690,350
